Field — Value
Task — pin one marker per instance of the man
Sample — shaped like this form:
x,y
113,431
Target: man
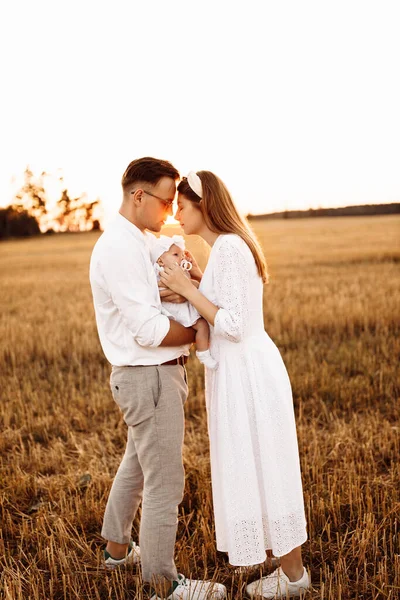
x,y
147,352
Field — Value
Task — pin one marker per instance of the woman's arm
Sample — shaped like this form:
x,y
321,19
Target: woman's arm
x,y
175,279
207,309
232,273
168,295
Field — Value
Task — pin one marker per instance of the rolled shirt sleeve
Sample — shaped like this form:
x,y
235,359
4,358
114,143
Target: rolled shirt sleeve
x,y
128,279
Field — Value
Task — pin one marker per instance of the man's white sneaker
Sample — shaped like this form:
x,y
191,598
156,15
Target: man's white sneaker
x,y
132,557
194,589
278,585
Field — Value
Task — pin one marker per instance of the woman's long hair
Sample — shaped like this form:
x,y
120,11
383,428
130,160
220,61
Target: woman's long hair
x,y
221,216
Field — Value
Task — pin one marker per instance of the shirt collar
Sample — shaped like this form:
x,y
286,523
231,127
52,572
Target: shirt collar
x,y
124,223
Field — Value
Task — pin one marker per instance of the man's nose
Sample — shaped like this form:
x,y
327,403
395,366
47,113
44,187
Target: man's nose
x,y
170,209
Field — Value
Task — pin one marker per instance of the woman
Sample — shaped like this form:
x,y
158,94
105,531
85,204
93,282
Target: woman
x,y
256,479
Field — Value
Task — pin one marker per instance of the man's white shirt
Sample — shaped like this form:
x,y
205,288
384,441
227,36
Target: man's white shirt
x,y
126,298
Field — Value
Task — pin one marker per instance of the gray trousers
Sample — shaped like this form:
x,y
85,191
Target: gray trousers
x,y
151,400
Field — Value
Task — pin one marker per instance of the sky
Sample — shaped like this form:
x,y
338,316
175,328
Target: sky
x,y
293,104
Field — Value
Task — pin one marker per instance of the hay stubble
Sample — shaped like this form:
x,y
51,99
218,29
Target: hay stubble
x,y
332,307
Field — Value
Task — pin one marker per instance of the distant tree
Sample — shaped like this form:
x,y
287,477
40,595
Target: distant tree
x,y
31,197
75,214
69,213
17,223
66,210
90,208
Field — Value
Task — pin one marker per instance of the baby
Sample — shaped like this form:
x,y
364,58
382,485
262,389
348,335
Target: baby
x,y
167,251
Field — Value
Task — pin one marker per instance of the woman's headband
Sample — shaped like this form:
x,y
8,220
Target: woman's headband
x,y
194,182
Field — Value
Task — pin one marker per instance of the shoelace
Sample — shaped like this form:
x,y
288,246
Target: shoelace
x,y
273,581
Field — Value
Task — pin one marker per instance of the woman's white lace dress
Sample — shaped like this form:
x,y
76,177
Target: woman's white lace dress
x,y
256,479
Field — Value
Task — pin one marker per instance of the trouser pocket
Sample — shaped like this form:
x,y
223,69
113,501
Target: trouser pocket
x,y
136,390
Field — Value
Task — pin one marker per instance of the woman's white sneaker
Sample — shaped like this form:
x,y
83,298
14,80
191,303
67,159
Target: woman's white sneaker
x,y
131,558
278,585
194,589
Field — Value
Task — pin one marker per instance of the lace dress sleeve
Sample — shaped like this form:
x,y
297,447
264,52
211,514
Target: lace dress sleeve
x,y
231,281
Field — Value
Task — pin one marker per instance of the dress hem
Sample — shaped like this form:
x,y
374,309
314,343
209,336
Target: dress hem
x,y
253,564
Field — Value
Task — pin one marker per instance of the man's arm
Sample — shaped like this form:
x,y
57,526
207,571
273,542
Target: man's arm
x,y
126,278
178,335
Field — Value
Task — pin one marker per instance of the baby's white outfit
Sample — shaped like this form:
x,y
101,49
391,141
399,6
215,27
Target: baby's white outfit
x,y
184,313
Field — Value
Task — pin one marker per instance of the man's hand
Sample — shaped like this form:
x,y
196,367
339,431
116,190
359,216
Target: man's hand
x,y
169,296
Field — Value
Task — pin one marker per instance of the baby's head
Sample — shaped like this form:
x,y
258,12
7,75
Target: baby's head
x,y
174,255
167,251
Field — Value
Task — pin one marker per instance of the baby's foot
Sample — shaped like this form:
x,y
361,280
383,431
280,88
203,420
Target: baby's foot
x,y
205,357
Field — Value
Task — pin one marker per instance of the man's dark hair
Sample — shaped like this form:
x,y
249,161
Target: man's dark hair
x,y
148,170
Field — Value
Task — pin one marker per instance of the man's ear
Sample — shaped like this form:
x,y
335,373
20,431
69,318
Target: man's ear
x,y
137,197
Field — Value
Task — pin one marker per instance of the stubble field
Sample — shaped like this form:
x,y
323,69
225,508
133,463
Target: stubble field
x,y
332,308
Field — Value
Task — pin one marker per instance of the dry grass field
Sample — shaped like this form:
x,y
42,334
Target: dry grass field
x,y
332,307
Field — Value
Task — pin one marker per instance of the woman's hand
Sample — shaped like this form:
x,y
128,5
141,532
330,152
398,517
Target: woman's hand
x,y
175,279
170,296
195,272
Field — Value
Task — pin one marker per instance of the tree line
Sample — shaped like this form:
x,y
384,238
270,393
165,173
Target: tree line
x,y
32,212
392,208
